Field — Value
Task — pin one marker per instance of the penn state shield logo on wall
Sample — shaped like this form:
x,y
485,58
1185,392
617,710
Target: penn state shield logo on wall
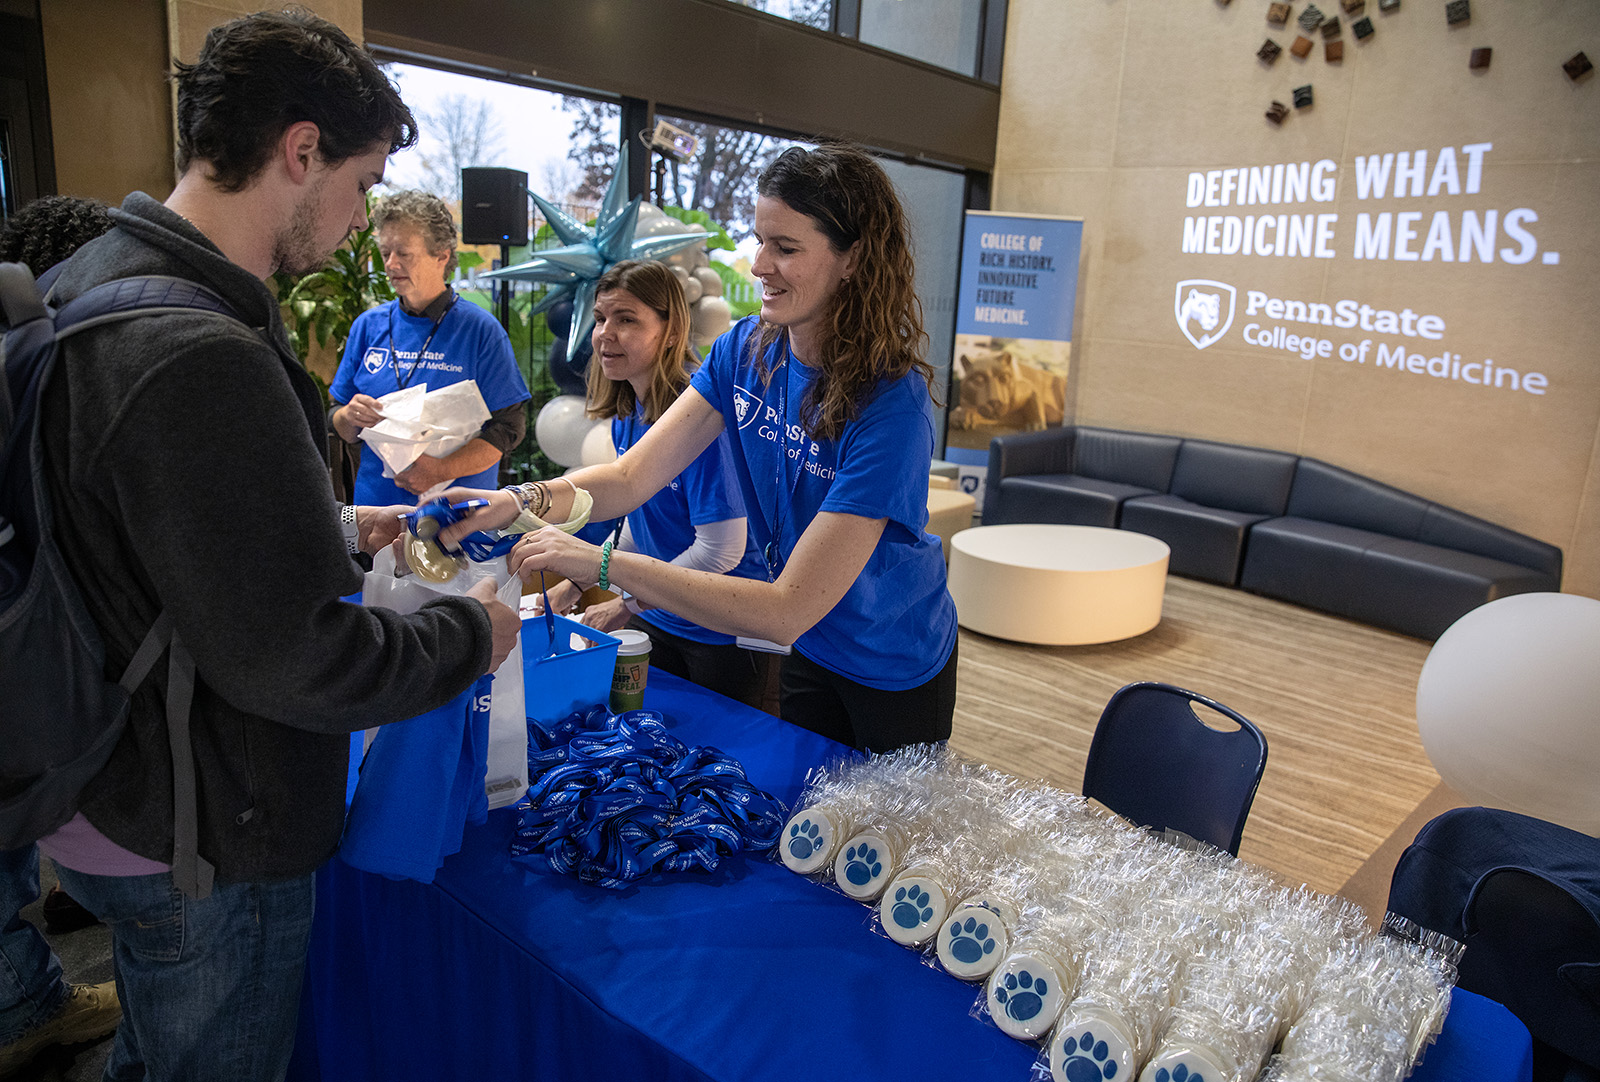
x,y
1204,309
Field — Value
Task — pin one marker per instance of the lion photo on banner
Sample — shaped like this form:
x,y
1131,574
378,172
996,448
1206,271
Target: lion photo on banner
x,y
1005,385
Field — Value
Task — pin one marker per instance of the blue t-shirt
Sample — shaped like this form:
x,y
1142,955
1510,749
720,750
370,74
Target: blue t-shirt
x,y
896,625
381,358
708,491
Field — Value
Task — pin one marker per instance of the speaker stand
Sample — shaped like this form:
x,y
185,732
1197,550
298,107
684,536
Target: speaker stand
x,y
505,290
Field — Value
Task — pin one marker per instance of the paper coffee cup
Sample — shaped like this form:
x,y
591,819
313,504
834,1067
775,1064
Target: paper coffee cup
x,y
633,668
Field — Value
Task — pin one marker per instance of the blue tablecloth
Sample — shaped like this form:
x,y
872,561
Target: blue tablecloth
x,y
498,972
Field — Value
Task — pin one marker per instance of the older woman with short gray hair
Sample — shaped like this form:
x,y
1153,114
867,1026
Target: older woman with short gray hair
x,y
424,336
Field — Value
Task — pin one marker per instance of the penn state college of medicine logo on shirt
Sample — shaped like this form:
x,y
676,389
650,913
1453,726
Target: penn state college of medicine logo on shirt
x,y
375,359
746,407
1199,302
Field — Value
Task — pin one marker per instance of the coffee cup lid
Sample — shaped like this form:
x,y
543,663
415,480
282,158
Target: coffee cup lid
x,y
631,642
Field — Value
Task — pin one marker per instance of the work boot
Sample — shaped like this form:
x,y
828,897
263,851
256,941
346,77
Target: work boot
x,y
89,1013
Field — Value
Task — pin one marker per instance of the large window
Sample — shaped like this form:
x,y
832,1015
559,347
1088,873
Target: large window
x,y
942,32
947,33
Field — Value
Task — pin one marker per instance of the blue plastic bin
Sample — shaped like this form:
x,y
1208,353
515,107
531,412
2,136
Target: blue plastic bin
x,y
555,686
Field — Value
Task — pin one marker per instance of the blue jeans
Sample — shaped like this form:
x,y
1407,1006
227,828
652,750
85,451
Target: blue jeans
x,y
209,989
31,987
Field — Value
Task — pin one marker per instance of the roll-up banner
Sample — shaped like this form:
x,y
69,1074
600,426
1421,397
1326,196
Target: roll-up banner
x,y
1019,281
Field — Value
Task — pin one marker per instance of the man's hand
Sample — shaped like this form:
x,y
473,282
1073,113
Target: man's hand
x,y
380,526
503,619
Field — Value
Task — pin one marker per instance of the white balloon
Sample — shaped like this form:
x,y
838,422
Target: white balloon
x,y
654,221
597,446
709,319
691,289
560,429
1508,705
710,281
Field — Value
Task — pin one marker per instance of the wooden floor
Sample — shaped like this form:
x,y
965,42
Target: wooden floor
x,y
1336,700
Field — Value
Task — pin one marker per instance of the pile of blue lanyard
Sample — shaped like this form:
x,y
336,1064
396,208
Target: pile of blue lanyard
x,y
615,797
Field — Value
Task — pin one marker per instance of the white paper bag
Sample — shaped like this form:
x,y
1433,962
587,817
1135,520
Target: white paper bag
x,y
506,778
417,422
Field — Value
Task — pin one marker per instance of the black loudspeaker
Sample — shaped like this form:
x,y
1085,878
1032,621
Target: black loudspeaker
x,y
494,206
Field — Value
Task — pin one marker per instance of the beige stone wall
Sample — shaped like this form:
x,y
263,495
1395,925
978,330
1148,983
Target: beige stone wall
x,y
110,104
1110,106
110,108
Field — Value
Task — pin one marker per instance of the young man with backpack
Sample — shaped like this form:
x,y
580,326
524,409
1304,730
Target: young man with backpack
x,y
184,456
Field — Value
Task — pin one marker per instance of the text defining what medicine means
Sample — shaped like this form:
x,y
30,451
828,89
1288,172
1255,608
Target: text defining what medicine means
x,y
1399,235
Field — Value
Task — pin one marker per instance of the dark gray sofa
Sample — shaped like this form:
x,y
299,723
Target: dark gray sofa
x,y
1276,524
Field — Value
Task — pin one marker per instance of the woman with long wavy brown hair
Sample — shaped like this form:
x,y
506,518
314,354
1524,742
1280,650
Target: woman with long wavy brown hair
x,y
826,400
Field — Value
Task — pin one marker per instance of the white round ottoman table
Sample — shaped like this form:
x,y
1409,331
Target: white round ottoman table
x,y
1057,585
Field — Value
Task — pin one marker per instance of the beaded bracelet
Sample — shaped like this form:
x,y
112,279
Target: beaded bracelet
x,y
605,566
533,496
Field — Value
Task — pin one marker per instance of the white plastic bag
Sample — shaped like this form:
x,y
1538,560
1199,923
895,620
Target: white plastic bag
x,y
506,776
417,422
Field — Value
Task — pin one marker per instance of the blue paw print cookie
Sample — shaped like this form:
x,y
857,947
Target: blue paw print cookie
x,y
912,908
865,866
804,839
972,942
1025,994
808,842
1089,1047
1085,1059
1022,995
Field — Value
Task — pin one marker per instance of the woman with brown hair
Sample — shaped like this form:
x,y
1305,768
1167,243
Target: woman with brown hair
x,y
640,366
826,401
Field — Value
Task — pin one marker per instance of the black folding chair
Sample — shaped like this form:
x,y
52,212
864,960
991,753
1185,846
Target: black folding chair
x,y
1155,762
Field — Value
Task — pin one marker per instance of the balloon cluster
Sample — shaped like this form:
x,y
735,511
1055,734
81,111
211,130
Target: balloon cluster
x,y
1128,952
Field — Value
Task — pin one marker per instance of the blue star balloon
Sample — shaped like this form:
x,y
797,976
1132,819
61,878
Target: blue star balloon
x,y
587,252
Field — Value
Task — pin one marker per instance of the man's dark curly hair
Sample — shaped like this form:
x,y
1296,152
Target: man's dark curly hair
x,y
258,75
52,227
